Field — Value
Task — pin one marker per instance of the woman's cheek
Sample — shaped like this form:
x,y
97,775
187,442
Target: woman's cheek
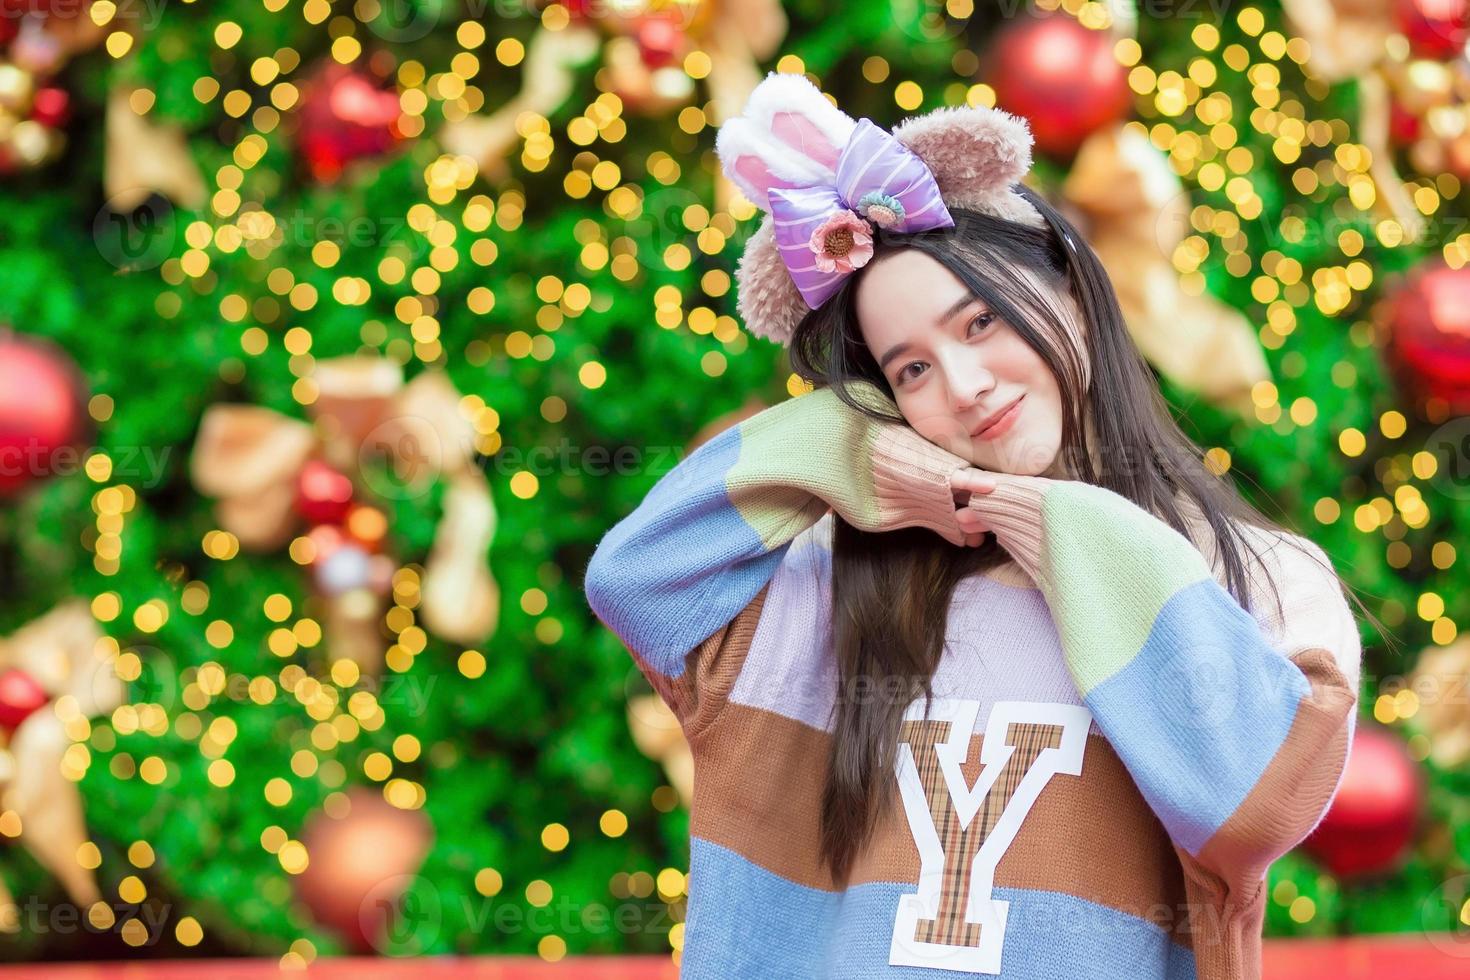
x,y
1034,447
940,428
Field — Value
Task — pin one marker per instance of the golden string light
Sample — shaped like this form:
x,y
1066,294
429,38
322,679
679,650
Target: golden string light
x,y
1182,112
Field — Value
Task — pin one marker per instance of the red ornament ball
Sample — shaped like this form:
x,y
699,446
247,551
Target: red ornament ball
x,y
43,412
1434,28
1062,77
1372,820
660,38
1428,316
346,114
325,540
1403,126
323,494
20,697
51,106
358,864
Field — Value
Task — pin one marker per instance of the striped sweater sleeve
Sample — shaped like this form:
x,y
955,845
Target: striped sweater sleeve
x,y
708,536
1235,731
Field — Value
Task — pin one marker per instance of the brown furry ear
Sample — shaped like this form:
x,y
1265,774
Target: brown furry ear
x,y
975,153
765,295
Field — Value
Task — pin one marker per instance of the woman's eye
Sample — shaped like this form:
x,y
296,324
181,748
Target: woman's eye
x,y
984,319
903,372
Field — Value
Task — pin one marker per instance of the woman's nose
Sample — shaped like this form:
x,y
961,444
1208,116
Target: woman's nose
x,y
967,380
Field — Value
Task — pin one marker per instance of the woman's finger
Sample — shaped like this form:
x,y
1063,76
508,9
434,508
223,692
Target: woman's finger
x,y
971,522
974,480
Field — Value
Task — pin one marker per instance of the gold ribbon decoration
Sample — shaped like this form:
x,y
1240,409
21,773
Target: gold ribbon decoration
x,y
251,459
547,81
1135,213
1347,37
64,655
143,157
1440,682
1355,39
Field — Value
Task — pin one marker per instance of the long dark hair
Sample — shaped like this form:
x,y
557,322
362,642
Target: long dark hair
x,y
889,651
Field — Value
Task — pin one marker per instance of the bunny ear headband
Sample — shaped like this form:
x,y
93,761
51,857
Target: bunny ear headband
x,y
827,182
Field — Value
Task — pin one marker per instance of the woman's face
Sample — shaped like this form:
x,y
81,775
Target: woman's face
x,y
953,365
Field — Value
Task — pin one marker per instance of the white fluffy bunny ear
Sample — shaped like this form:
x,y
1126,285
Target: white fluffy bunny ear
x,y
789,135
755,162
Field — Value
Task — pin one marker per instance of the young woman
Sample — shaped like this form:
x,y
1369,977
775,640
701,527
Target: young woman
x,y
982,670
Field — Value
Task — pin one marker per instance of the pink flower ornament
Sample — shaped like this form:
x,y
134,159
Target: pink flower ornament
x,y
842,243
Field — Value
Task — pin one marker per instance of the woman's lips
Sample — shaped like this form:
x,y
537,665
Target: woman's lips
x,y
1003,424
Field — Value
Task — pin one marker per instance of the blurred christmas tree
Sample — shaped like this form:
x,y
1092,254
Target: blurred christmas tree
x,y
526,200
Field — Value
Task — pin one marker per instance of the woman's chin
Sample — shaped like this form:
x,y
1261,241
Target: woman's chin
x,y
1038,461
1010,453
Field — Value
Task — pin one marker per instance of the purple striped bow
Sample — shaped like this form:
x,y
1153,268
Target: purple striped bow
x,y
825,232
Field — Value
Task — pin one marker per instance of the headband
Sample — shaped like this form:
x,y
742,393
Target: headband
x,y
828,182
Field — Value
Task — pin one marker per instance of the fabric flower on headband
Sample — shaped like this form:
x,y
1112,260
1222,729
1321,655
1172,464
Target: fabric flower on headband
x,y
883,210
841,243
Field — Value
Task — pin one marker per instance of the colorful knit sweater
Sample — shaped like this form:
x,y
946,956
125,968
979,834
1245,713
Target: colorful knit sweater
x,y
1112,760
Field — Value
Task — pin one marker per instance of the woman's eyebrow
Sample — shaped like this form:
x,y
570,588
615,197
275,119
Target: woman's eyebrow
x,y
954,310
893,352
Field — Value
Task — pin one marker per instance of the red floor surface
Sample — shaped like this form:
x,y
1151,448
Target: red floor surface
x,y
1440,957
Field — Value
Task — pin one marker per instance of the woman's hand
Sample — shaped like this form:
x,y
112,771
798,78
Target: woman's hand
x,y
966,482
